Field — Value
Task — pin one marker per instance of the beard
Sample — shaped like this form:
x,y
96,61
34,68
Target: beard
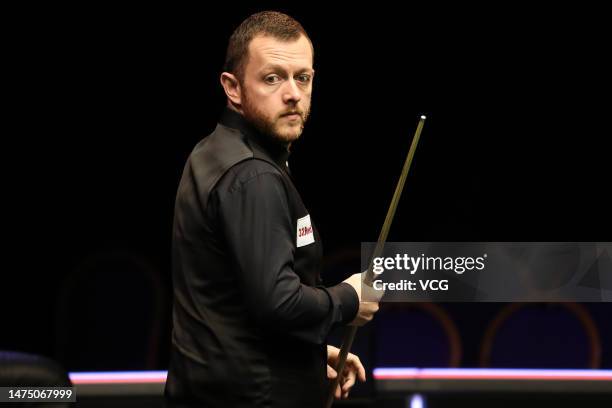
x,y
277,126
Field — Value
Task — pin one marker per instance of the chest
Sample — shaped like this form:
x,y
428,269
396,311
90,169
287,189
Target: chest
x,y
308,248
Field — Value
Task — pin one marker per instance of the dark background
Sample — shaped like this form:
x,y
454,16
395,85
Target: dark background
x,y
104,104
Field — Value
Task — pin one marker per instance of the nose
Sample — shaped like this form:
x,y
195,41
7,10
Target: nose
x,y
291,92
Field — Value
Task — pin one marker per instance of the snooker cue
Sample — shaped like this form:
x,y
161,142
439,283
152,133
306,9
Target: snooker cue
x,y
351,331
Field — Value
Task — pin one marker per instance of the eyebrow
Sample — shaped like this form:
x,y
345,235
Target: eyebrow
x,y
276,67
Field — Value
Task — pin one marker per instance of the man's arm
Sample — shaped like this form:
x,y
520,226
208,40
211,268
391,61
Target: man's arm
x,y
256,220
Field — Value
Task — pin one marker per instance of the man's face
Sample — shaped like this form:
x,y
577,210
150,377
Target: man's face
x,y
277,86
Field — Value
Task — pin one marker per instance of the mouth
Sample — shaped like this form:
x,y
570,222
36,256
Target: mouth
x,y
292,116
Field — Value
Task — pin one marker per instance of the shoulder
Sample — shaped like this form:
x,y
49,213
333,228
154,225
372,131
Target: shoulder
x,y
250,174
223,147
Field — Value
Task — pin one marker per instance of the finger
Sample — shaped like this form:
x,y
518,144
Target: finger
x,y
350,381
338,392
332,352
361,371
331,373
356,363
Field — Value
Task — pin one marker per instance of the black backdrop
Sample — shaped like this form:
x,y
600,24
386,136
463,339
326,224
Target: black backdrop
x,y
105,104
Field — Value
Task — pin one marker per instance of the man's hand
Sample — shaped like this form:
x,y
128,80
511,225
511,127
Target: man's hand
x,y
366,308
353,369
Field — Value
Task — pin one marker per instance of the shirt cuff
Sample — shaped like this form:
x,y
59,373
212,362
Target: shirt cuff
x,y
344,298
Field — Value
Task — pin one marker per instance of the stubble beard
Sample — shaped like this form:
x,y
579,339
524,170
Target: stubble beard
x,y
272,126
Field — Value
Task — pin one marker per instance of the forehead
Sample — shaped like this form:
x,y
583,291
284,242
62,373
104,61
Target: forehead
x,y
294,54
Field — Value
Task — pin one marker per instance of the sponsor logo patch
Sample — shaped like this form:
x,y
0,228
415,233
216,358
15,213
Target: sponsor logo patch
x,y
305,234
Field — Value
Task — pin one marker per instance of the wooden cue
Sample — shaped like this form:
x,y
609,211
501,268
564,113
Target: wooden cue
x,y
351,331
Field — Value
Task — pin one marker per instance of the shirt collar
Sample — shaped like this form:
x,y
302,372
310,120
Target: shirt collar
x,y
276,150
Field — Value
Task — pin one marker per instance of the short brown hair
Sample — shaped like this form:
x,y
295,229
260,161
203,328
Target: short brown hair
x,y
272,23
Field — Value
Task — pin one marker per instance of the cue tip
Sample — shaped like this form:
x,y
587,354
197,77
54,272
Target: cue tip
x,y
423,117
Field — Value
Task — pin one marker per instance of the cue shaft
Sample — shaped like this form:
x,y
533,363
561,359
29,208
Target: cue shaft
x,y
384,232
351,331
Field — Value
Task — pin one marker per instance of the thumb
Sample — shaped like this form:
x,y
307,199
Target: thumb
x,y
331,373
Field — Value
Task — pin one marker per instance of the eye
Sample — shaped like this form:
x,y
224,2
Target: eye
x,y
272,79
304,78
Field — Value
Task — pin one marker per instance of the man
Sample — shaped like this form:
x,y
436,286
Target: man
x,y
250,315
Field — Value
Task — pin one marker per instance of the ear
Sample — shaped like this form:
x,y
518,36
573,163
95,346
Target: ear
x,y
232,88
